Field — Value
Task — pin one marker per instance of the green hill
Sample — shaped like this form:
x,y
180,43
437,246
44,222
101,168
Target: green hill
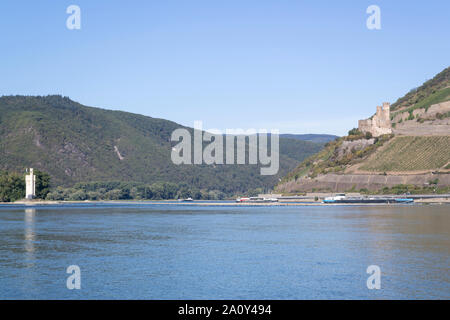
x,y
75,143
422,151
431,92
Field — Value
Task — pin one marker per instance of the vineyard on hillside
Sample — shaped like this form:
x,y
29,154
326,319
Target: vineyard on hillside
x,y
411,154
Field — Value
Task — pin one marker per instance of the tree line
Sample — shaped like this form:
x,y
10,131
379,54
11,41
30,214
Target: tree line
x,y
12,188
136,191
12,185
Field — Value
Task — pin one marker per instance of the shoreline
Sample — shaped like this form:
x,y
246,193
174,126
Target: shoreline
x,y
216,203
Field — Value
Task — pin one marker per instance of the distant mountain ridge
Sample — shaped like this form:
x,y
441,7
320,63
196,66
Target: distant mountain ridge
x,y
75,143
318,138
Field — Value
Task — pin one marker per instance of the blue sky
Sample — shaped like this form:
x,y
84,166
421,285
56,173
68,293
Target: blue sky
x,y
297,66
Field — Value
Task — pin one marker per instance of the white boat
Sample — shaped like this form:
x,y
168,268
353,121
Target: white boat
x,y
257,199
337,197
187,199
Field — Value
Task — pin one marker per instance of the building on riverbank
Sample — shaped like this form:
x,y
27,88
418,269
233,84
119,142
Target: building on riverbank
x,y
30,185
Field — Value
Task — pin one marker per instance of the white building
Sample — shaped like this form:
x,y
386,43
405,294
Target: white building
x,y
30,182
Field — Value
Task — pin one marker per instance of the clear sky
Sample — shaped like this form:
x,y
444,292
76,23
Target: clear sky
x,y
297,66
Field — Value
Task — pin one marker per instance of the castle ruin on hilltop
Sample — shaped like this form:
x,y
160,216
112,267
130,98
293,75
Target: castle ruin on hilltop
x,y
380,123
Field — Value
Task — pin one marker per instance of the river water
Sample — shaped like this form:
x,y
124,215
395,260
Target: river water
x,y
176,251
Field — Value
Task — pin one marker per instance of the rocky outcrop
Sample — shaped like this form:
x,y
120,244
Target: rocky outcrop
x,y
425,122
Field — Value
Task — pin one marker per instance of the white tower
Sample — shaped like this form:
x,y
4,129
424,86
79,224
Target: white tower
x,y
30,182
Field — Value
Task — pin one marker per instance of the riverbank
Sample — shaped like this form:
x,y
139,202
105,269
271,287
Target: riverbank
x,y
217,203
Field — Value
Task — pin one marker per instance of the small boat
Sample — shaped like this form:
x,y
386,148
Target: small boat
x,y
257,200
404,200
187,199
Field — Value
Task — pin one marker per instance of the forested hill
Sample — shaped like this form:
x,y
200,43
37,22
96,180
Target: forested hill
x,y
75,143
430,92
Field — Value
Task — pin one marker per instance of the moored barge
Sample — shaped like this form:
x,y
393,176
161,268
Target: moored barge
x,y
342,198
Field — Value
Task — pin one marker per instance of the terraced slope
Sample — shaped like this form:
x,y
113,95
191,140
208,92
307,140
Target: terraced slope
x,y
437,97
411,154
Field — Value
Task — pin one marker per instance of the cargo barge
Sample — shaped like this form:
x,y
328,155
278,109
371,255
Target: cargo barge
x,y
342,198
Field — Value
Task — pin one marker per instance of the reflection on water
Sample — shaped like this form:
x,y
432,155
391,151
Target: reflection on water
x,y
30,236
153,251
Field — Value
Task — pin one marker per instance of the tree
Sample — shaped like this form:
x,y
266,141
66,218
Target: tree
x,y
354,132
12,187
80,195
42,184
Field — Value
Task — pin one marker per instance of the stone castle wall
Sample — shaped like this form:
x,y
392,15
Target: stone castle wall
x,y
379,124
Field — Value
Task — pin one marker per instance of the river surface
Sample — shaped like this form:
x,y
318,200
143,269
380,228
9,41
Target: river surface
x,y
176,251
